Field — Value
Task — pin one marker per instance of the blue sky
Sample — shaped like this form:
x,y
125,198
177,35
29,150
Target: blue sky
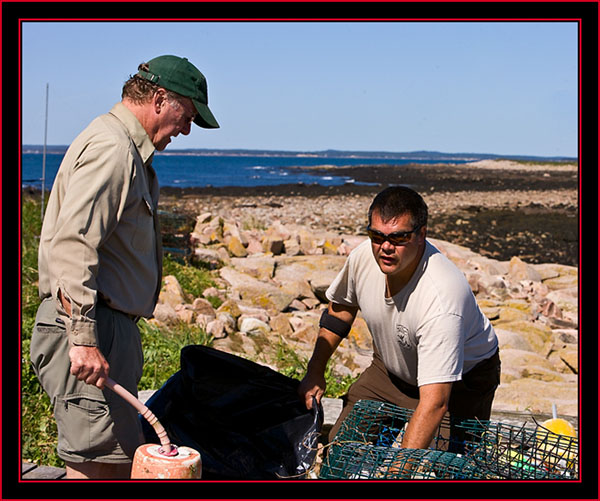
x,y
484,87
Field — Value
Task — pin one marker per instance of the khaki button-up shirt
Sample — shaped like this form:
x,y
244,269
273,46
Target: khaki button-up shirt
x,y
101,238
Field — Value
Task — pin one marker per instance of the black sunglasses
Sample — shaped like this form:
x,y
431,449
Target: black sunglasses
x,y
396,238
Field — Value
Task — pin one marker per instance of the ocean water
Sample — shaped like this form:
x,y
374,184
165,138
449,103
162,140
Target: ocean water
x,y
197,170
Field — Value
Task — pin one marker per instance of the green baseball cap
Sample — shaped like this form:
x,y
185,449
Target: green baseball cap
x,y
177,74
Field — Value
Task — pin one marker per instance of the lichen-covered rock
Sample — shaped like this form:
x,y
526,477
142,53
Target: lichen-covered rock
x,y
210,257
165,313
260,267
230,306
235,247
250,326
535,396
536,334
203,307
512,340
280,324
519,270
256,292
171,292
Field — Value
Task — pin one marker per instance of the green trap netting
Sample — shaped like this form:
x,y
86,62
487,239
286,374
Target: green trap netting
x,y
367,446
529,451
355,460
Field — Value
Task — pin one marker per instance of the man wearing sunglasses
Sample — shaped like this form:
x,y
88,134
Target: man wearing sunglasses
x,y
434,350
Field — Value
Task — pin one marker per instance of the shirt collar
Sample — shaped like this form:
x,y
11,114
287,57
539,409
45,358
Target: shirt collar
x,y
136,131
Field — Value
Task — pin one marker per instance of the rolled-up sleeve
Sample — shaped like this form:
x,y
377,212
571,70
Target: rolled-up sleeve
x,y
92,201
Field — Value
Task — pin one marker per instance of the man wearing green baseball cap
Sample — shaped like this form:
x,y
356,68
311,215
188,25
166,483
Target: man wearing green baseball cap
x,y
177,74
100,264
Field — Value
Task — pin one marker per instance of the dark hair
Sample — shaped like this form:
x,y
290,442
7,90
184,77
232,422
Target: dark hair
x,y
396,201
140,91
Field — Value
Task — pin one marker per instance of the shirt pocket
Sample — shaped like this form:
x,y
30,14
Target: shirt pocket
x,y
143,235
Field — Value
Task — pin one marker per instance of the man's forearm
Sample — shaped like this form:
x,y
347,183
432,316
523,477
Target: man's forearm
x,y
313,384
325,346
421,428
433,404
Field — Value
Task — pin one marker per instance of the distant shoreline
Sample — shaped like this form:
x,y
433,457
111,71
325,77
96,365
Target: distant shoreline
x,y
409,155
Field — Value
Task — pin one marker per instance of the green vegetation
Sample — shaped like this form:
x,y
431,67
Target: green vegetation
x,y
290,364
193,280
253,223
162,348
556,163
337,385
38,426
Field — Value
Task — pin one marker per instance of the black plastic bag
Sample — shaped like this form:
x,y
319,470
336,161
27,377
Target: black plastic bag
x,y
245,420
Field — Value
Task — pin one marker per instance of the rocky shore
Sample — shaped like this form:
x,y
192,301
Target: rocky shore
x,y
276,252
498,209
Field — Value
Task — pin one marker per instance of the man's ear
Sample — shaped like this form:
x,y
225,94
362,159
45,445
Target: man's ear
x,y
159,99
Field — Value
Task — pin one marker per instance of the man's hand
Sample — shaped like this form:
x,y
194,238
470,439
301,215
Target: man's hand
x,y
89,365
313,385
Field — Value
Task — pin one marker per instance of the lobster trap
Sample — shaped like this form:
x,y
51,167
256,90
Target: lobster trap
x,y
530,451
175,229
367,446
355,460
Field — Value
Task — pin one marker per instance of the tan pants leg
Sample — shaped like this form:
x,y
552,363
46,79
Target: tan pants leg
x,y
99,471
373,384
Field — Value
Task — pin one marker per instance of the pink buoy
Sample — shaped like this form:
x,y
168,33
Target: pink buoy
x,y
150,461
162,460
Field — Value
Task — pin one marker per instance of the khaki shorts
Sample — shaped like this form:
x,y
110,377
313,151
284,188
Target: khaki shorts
x,y
93,424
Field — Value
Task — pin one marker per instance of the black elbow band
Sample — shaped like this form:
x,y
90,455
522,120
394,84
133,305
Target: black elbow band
x,y
334,324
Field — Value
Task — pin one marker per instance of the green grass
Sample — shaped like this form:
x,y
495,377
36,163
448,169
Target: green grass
x,y
162,349
337,385
289,363
194,280
39,428
540,162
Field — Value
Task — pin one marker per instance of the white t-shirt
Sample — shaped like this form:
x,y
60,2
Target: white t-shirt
x,y
432,331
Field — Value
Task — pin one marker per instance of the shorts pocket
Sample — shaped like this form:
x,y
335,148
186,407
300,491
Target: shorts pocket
x,y
85,426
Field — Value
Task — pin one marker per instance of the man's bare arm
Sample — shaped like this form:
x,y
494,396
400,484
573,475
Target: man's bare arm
x,y
313,384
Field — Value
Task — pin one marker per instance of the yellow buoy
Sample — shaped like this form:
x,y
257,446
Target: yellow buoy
x,y
557,443
560,427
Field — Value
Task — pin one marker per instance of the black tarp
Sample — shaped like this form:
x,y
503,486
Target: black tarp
x,y
245,419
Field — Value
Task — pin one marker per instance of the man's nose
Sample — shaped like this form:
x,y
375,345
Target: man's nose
x,y
387,246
